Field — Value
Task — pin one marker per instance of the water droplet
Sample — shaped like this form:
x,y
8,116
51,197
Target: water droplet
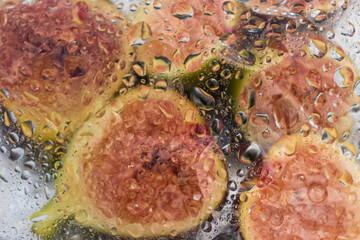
x,y
247,57
288,144
319,15
285,114
13,137
217,126
331,34
182,10
28,128
354,112
193,62
251,154
344,77
139,34
161,64
215,66
133,7
291,26
16,153
347,29
318,47
10,118
232,186
202,99
206,226
81,216
212,84
140,68
297,9
337,53
229,7
277,218
357,88
317,193
25,175
3,149
226,149
29,164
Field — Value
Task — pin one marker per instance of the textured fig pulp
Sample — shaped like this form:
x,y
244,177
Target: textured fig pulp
x,y
310,87
306,190
57,56
146,165
178,34
315,10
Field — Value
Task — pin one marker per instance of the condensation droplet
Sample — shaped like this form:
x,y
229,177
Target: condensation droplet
x,y
16,153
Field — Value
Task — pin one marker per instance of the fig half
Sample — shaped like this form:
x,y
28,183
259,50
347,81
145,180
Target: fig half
x,y
307,85
145,165
174,35
58,56
306,190
317,11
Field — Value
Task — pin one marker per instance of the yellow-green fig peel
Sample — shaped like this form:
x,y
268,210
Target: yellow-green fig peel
x,y
145,165
57,56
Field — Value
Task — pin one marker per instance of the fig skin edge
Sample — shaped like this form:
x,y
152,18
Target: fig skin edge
x,y
347,172
75,203
82,92
279,84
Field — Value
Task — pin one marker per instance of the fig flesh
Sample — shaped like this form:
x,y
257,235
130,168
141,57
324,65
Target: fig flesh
x,y
58,56
306,189
301,88
145,165
174,35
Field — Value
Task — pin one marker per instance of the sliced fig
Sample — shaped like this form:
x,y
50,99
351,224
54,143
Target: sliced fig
x,y
306,190
183,34
317,11
61,61
308,86
145,165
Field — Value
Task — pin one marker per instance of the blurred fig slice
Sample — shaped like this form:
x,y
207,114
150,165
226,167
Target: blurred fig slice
x,y
61,61
306,190
145,165
172,35
317,11
308,86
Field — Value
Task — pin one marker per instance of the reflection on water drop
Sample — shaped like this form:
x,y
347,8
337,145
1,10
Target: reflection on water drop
x,y
354,112
344,77
331,34
251,154
319,15
14,138
25,175
247,57
182,10
212,84
337,53
206,226
288,144
161,64
139,34
202,99
28,128
229,7
347,29
297,9
16,153
318,47
317,193
357,88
